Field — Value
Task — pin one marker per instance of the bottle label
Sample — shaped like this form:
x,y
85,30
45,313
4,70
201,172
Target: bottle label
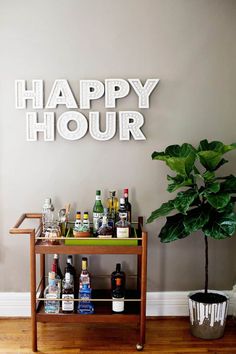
x,y
118,306
98,197
122,232
96,218
67,305
123,215
51,296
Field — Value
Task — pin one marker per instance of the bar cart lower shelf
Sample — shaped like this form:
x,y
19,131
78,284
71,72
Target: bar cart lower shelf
x,y
135,300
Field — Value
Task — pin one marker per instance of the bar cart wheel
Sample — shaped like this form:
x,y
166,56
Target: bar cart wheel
x,y
139,347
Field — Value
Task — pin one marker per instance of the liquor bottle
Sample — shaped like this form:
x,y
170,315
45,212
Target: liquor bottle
x,y
105,230
118,297
78,221
118,273
47,213
58,269
69,267
51,293
58,280
127,204
97,212
84,275
86,306
123,228
68,293
122,212
113,206
86,222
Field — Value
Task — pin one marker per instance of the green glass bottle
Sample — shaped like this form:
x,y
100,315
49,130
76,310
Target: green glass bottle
x,y
97,212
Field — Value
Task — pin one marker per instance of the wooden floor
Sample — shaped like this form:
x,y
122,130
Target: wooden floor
x,y
164,335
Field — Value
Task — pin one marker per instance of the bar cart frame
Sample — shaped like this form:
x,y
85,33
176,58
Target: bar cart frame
x,y
38,248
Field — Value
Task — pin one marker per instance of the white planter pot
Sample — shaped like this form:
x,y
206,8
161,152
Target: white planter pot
x,y
208,321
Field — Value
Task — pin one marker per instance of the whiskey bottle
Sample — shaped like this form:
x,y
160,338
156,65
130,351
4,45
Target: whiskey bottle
x,y
123,228
84,275
97,212
118,297
118,273
51,293
127,204
68,294
122,213
105,230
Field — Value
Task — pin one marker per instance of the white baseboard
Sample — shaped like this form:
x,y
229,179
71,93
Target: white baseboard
x,y
166,303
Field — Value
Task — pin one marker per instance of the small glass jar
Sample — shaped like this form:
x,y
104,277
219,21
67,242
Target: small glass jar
x,y
52,233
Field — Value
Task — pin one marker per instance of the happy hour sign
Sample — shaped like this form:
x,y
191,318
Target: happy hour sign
x,y
129,122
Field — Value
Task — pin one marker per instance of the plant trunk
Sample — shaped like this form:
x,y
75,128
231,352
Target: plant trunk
x,y
206,264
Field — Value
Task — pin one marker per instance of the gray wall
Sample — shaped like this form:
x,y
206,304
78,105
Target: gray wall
x,y
189,45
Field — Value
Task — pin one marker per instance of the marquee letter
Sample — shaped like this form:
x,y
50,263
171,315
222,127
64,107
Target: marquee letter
x,y
115,88
131,122
144,92
61,94
90,90
110,126
36,94
47,126
65,119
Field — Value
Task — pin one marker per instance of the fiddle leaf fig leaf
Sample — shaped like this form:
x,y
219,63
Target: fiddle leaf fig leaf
x,y
164,210
173,229
219,200
212,187
178,182
210,154
180,159
208,176
221,226
184,199
196,219
229,185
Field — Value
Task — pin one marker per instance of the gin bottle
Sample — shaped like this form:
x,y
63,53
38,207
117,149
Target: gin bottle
x,y
51,293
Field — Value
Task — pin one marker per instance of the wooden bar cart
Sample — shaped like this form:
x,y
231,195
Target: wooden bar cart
x,y
135,300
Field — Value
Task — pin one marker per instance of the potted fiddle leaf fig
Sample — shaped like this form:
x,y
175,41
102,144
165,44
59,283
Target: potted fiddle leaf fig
x,y
205,203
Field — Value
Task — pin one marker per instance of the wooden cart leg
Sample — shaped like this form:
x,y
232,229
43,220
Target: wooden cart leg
x,y
139,346
33,291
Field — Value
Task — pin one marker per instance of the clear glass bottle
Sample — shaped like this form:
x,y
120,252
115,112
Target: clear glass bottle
x,y
128,206
97,212
47,214
68,294
123,228
113,206
51,293
118,304
105,230
84,275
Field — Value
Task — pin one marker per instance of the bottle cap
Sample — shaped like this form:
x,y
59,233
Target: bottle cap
x,y
98,192
122,201
112,193
126,191
85,215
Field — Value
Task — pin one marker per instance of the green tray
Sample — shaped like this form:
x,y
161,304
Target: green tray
x,y
94,241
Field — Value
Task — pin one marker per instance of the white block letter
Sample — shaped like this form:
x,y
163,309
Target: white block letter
x,y
36,94
63,125
61,94
33,126
131,122
90,90
110,126
144,92
115,88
